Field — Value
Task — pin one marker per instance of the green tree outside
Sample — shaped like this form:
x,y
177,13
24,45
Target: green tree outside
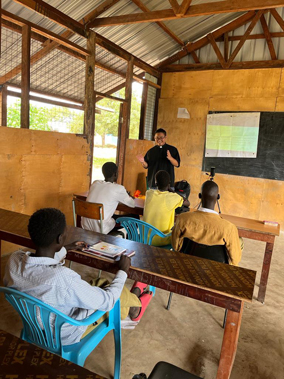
x,y
42,117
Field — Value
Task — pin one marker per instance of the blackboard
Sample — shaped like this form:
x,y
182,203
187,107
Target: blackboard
x,y
269,163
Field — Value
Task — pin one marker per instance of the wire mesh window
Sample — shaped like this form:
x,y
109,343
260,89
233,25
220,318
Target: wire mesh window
x,y
110,72
150,109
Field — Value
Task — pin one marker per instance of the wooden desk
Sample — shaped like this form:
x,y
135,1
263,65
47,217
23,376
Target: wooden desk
x,y
201,279
248,228
22,360
138,210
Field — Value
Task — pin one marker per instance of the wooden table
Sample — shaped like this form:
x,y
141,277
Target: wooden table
x,y
201,279
22,360
248,228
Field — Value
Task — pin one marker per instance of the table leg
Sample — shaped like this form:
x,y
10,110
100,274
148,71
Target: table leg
x,y
230,343
265,271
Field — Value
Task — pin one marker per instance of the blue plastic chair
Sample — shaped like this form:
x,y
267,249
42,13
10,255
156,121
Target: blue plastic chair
x,y
141,231
49,338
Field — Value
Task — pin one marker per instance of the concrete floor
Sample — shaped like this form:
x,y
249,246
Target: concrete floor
x,y
190,334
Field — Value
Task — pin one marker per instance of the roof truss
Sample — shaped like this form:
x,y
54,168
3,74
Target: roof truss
x,y
222,35
227,6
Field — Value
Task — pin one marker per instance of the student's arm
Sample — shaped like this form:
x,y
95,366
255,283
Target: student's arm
x,y
124,198
233,246
83,295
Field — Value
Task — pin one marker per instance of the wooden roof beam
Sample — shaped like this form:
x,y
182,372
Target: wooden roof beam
x,y
190,46
160,24
54,14
217,50
184,7
217,66
59,39
244,37
227,6
268,38
174,5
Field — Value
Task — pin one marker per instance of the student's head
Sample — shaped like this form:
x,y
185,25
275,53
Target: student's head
x,y
160,137
209,194
47,228
163,180
109,170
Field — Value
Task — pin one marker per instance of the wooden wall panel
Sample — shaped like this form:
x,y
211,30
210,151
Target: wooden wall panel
x,y
15,141
187,85
246,83
41,169
244,104
134,173
200,92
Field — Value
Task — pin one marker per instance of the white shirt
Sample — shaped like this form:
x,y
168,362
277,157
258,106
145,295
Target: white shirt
x,y
109,194
207,210
62,288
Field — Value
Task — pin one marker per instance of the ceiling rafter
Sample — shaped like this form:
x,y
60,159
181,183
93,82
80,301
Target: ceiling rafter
x,y
174,5
224,62
54,14
190,46
184,7
161,24
217,50
217,7
268,38
244,37
217,66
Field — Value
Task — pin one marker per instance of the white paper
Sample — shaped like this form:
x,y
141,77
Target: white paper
x,y
183,113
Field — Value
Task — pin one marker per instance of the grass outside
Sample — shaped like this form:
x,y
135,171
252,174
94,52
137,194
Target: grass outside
x,y
100,161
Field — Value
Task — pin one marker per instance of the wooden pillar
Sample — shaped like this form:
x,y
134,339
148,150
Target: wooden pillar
x,y
25,85
124,132
90,96
4,106
158,95
143,111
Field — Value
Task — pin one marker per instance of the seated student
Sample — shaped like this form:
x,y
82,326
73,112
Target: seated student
x,y
108,193
207,227
160,205
43,276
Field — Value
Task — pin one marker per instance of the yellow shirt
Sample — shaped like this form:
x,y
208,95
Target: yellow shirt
x,y
159,211
207,229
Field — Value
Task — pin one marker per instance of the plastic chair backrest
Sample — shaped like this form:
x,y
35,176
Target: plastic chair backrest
x,y
86,209
140,231
216,253
42,323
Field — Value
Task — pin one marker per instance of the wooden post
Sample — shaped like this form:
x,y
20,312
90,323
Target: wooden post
x,y
143,111
25,84
90,96
126,108
4,106
158,95
230,343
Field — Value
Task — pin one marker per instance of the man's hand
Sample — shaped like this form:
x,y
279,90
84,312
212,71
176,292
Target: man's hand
x,y
77,245
141,159
173,161
124,263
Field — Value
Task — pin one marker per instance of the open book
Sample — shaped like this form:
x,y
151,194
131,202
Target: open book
x,y
108,250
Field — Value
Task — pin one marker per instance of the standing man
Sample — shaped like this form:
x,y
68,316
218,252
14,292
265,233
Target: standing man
x,y
161,157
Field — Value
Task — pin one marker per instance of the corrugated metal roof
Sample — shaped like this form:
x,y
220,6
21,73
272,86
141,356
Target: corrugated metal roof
x,y
145,40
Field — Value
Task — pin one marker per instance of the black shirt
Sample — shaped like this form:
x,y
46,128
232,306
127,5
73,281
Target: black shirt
x,y
157,160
